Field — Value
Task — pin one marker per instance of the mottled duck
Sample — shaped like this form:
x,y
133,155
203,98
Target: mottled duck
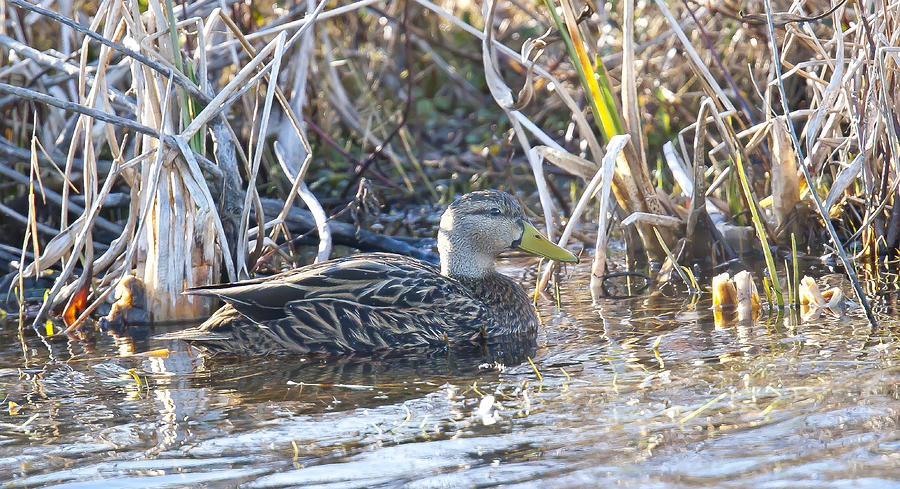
x,y
378,301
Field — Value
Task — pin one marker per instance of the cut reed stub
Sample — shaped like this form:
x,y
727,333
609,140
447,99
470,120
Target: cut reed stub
x,y
724,292
735,298
748,303
813,301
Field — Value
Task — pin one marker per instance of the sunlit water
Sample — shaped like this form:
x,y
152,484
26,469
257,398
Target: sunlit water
x,y
642,392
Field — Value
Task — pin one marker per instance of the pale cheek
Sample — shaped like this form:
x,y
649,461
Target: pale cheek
x,y
498,241
505,236
490,240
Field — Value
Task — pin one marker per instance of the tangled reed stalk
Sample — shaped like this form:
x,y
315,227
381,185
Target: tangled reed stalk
x,y
140,137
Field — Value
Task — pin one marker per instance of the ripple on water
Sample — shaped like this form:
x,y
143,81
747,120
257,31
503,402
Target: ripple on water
x,y
646,392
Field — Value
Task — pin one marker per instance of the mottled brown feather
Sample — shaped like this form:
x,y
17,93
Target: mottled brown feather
x,y
365,302
378,301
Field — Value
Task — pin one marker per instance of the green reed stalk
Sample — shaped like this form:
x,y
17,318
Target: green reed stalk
x,y
600,100
796,299
187,103
690,282
760,231
788,279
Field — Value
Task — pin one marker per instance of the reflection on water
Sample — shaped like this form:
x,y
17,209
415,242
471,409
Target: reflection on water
x,y
640,392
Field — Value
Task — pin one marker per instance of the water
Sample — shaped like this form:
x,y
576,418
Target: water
x,y
643,392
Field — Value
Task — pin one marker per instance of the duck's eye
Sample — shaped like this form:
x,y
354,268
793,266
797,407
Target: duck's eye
x,y
496,212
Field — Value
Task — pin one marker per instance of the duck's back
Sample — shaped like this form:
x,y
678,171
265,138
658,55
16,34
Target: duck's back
x,y
364,302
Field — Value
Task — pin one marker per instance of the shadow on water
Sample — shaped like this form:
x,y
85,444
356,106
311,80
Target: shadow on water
x,y
644,392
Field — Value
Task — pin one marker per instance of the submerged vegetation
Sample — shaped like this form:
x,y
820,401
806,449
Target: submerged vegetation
x,y
173,142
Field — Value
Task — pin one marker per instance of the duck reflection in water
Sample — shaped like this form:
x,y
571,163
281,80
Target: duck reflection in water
x,y
357,380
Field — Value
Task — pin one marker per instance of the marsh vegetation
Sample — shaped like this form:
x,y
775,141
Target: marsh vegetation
x,y
202,142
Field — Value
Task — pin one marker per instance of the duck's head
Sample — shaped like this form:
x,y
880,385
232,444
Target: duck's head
x,y
478,226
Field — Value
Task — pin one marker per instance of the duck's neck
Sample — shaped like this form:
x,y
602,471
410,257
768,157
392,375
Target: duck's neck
x,y
508,302
460,260
458,266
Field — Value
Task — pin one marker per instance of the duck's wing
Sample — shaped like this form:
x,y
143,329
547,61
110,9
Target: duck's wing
x,y
364,302
261,299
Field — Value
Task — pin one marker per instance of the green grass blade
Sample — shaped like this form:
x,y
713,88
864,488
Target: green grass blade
x,y
760,231
690,282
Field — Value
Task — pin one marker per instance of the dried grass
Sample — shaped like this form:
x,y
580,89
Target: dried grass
x,y
121,109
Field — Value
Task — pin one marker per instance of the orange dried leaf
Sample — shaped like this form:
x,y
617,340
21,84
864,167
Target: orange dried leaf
x,y
76,304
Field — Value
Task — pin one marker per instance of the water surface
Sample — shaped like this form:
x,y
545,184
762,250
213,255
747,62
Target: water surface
x,y
642,392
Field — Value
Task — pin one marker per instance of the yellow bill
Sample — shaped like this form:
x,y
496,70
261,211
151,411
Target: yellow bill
x,y
534,242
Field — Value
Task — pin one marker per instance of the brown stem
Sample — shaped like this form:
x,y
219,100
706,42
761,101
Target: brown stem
x,y
364,165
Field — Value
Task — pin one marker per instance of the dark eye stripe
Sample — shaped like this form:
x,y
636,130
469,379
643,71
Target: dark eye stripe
x,y
489,212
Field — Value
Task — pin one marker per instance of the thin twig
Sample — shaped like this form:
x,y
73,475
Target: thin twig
x,y
179,78
835,240
57,198
168,139
364,165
